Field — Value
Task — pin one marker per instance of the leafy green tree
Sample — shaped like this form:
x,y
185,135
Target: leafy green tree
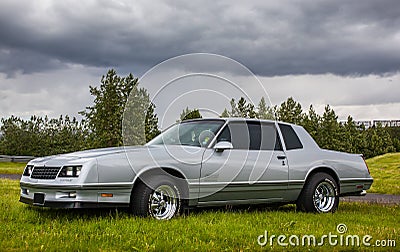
x,y
105,116
40,136
14,135
396,144
120,109
395,135
137,111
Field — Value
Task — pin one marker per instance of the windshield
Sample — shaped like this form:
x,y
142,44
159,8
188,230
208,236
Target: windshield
x,y
193,133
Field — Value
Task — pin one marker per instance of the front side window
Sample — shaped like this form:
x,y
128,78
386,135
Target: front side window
x,y
192,133
251,136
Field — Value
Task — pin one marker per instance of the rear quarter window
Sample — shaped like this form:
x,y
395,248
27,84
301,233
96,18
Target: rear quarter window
x,y
290,137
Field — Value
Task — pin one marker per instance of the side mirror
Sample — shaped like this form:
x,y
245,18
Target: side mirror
x,y
223,145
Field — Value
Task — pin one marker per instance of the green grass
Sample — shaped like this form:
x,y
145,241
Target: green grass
x,y
25,228
385,170
11,168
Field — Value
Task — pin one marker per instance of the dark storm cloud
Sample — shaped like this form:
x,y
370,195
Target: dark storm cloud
x,y
26,61
274,38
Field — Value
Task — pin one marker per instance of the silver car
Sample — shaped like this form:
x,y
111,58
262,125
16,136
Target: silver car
x,y
196,163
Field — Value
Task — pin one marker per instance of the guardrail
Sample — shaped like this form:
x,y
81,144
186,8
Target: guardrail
x,y
22,159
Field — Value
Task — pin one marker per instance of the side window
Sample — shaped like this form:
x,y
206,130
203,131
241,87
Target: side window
x,y
240,138
270,137
290,137
251,136
225,135
254,131
237,133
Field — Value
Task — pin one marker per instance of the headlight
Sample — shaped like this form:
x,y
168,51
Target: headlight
x,y
70,171
28,170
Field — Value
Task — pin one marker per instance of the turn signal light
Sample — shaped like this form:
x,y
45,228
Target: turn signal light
x,y
106,195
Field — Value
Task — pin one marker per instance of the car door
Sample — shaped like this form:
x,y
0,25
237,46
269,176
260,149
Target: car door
x,y
254,171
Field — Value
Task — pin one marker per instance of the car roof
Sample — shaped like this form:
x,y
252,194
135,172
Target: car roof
x,y
237,119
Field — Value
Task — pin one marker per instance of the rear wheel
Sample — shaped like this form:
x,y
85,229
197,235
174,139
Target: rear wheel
x,y
160,199
319,195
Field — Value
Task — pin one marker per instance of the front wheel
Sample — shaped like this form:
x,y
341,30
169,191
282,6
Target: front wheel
x,y
160,199
319,195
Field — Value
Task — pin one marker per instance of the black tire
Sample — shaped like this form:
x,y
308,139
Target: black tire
x,y
160,198
319,195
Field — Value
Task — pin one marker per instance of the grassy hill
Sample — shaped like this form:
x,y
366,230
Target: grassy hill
x,y
385,170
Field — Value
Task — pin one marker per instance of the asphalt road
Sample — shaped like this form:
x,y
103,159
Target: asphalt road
x,y
10,176
369,198
373,198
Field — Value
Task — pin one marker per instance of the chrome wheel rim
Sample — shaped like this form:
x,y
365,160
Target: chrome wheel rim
x,y
163,202
324,197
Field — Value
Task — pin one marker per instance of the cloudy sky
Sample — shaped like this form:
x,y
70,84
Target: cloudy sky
x,y
342,53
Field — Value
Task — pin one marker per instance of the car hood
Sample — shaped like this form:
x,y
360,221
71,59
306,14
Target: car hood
x,y
102,152
137,153
87,154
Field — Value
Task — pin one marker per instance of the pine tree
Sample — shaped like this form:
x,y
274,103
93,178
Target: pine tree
x,y
190,114
264,111
312,123
151,123
225,113
290,111
330,130
234,110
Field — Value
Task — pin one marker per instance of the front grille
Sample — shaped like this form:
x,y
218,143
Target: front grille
x,y
45,172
